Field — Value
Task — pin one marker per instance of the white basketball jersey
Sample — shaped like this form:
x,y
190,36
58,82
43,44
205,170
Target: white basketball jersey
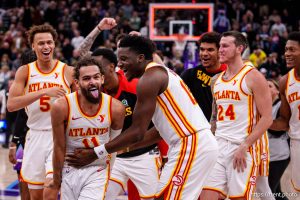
x,y
236,107
177,113
293,98
39,111
84,131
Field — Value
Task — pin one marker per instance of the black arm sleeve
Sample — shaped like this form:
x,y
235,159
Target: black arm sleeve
x,y
19,133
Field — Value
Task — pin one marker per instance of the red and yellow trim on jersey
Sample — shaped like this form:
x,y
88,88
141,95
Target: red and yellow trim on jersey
x,y
241,81
180,159
227,81
158,164
65,82
287,85
119,182
44,73
176,109
188,167
251,184
30,182
295,77
83,113
107,180
250,114
109,109
264,151
185,88
170,118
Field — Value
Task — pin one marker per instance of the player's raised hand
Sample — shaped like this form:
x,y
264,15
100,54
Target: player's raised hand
x,y
55,92
107,24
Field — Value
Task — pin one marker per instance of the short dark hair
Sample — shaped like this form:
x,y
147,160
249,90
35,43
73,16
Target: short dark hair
x,y
84,62
294,36
240,39
210,37
45,28
107,54
27,56
139,44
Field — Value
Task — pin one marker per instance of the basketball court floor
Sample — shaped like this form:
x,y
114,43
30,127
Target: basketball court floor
x,y
9,190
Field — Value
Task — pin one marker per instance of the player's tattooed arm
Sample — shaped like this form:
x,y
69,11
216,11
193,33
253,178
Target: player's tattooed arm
x,y
104,24
213,118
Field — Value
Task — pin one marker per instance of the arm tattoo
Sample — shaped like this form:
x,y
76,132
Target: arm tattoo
x,y
87,43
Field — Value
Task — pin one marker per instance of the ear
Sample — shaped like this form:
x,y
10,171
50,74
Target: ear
x,y
112,67
241,48
141,58
32,47
102,82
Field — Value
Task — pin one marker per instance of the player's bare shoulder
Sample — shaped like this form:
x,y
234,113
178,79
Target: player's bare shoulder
x,y
60,107
255,79
69,72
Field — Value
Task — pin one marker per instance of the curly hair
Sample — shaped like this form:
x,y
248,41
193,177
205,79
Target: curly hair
x,y
84,62
45,28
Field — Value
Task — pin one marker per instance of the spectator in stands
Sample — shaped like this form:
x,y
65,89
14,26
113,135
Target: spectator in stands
x,y
258,56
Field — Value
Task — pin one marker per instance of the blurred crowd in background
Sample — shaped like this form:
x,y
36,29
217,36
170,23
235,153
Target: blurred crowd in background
x,y
265,25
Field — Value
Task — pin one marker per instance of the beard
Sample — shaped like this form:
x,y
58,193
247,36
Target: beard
x,y
90,97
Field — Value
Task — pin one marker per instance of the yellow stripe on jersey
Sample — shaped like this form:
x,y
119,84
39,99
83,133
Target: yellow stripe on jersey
x,y
178,166
179,112
82,112
170,118
109,111
241,89
250,114
188,165
194,102
64,79
44,73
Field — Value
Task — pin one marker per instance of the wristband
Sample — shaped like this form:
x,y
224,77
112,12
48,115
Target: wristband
x,y
101,151
13,147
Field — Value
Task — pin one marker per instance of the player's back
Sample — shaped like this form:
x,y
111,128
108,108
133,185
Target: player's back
x,y
177,113
39,111
84,131
236,107
293,98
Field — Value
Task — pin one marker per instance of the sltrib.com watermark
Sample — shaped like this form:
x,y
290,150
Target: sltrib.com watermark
x,y
281,195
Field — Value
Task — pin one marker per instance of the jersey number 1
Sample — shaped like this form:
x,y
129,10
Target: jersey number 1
x,y
90,143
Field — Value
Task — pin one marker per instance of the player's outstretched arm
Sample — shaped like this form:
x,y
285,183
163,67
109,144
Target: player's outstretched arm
x,y
16,99
152,83
59,117
104,24
282,122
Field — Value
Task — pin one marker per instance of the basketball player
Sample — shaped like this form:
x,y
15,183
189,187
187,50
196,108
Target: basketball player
x,y
262,183
198,79
289,87
35,87
84,119
163,97
145,159
241,96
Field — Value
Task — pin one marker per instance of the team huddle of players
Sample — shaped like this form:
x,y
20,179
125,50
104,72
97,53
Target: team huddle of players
x,y
80,117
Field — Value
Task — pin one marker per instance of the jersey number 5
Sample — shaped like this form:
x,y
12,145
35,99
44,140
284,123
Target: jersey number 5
x,y
228,113
45,104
